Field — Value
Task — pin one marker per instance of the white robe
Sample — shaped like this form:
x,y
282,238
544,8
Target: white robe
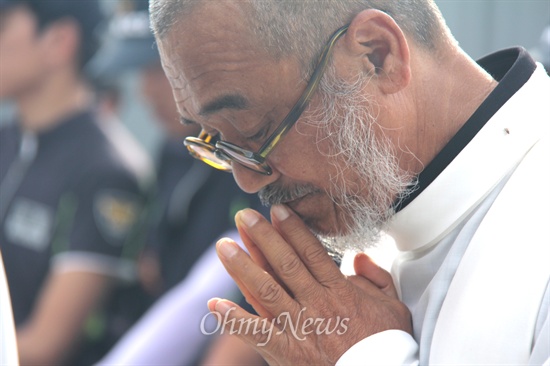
x,y
475,277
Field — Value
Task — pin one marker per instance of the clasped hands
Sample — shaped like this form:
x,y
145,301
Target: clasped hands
x,y
309,312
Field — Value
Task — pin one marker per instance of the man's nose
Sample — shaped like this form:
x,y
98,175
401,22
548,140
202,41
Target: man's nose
x,y
250,181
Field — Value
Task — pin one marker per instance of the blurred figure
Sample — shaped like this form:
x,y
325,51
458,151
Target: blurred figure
x,y
193,206
108,100
68,200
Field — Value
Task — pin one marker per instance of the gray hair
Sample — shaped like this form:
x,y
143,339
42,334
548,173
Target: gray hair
x,y
299,28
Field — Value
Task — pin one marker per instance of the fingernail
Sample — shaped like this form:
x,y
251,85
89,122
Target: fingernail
x,y
280,212
248,217
227,248
212,303
223,307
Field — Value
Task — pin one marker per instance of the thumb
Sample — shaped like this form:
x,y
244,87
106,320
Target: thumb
x,y
365,267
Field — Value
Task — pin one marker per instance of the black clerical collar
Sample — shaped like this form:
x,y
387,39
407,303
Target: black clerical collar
x,y
511,68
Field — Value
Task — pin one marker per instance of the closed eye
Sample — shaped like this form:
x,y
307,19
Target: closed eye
x,y
187,122
261,135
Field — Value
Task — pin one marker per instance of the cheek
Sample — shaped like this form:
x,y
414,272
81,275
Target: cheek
x,y
300,157
20,58
19,70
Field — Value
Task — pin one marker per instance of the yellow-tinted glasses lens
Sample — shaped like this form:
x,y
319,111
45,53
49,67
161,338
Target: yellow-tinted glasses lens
x,y
207,153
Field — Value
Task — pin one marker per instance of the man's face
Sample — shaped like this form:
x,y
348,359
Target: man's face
x,y
20,52
222,81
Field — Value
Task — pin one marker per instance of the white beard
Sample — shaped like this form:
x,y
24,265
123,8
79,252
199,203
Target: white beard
x,y
347,121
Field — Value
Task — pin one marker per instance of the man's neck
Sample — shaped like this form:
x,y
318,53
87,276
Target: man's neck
x,y
55,98
461,88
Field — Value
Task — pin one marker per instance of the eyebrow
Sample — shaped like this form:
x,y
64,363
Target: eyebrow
x,y
228,101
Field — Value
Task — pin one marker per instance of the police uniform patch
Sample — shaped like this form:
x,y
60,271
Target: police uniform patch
x,y
115,214
29,224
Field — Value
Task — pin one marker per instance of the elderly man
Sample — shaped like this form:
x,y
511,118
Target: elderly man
x,y
352,117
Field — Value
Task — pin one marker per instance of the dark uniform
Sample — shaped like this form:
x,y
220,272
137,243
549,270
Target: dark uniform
x,y
66,199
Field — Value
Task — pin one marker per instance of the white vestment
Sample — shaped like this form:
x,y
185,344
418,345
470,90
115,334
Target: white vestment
x,y
474,262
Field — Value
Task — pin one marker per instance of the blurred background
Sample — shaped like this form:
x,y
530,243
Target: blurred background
x,y
481,27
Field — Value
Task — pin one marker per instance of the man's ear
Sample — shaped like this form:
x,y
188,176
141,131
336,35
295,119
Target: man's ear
x,y
377,43
62,39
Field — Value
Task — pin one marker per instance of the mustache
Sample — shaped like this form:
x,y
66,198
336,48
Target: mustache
x,y
274,194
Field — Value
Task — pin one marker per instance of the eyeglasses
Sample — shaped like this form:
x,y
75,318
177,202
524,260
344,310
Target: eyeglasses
x,y
222,154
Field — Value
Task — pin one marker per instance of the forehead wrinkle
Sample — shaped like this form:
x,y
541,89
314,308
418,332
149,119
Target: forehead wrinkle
x,y
175,79
229,61
205,64
202,76
210,65
214,47
214,90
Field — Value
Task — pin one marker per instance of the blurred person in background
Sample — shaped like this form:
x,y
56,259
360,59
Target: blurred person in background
x,y
193,206
108,96
68,199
